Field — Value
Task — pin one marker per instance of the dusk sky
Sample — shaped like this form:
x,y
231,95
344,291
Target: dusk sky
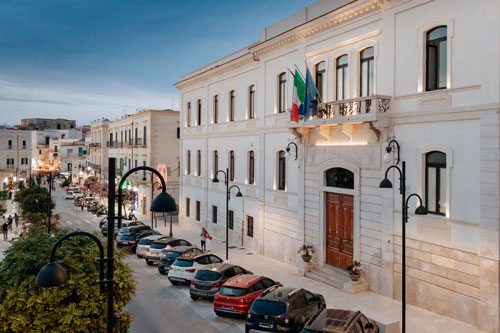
x,y
91,58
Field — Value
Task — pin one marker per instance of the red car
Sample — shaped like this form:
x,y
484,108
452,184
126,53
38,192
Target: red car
x,y
237,295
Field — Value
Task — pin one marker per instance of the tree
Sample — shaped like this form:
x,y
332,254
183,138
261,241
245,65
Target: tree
x,y
78,306
35,202
91,180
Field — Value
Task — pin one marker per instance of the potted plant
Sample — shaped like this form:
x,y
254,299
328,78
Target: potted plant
x,y
307,250
354,270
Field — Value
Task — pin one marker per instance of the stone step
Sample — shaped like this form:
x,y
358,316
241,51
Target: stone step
x,y
315,275
333,271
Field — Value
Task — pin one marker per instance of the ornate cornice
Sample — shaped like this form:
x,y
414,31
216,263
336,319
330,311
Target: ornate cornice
x,y
287,38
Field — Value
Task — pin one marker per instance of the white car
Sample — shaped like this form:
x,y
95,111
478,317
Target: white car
x,y
145,243
185,266
68,195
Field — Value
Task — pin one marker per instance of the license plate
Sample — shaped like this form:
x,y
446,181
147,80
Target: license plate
x,y
124,242
265,325
228,308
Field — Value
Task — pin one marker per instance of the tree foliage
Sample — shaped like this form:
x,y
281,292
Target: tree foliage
x,y
34,202
78,306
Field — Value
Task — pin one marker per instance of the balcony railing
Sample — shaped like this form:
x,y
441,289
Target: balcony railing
x,y
351,110
95,144
110,144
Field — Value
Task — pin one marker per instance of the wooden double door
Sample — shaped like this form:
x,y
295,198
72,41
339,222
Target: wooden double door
x,y
339,229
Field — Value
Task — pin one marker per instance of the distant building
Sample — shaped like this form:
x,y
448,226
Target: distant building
x,y
15,156
98,158
42,124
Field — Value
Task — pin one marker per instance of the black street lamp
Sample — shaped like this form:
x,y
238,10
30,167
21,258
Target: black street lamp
x,y
288,149
228,197
386,183
153,183
53,275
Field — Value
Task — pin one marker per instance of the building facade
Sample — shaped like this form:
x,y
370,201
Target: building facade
x,y
147,138
99,131
42,124
15,156
383,70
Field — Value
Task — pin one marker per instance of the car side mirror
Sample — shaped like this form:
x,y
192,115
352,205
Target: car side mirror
x,y
369,326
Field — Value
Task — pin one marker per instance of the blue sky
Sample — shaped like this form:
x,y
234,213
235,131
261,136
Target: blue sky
x,y
91,58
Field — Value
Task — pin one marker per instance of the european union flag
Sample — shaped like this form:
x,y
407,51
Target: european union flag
x,y
311,92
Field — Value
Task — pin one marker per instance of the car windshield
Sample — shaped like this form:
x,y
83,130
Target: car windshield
x,y
126,237
145,242
206,275
125,230
158,245
268,307
183,263
232,292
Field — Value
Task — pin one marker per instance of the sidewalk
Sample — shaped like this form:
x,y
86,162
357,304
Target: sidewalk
x,y
378,307
11,210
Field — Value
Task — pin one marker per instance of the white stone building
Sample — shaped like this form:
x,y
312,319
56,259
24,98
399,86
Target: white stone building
x,y
98,158
151,138
424,72
15,156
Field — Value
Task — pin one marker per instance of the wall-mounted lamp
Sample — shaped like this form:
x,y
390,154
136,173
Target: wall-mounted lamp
x,y
288,149
389,149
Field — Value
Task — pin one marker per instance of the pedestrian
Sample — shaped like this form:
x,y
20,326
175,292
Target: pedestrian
x,y
82,205
5,228
203,236
10,219
16,219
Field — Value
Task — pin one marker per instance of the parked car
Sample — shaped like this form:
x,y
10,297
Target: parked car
x,y
134,228
280,309
156,249
342,321
185,266
145,243
130,239
68,195
104,229
208,280
102,221
238,293
168,257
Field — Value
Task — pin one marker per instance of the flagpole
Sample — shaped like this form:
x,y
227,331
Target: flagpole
x,y
317,90
291,72
301,75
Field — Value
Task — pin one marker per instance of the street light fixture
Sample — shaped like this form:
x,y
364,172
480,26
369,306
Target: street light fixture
x,y
288,149
386,183
389,149
228,197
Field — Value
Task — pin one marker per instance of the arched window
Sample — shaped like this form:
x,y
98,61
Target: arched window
x,y
188,121
198,162
251,167
231,165
216,109
320,69
198,117
436,55
251,102
339,177
232,96
188,162
342,77
282,93
367,72
281,170
216,162
435,182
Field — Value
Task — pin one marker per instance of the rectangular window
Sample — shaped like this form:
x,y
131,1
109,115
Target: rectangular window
x,y
231,105
198,162
129,164
216,109
188,120
10,144
136,136
231,219
24,144
188,206
282,93
216,162
198,114
178,132
198,209
10,162
188,162
251,102
251,168
320,70
125,135
249,226
281,170
214,214
435,182
144,135
135,164
436,59
231,166
80,151
367,72
342,77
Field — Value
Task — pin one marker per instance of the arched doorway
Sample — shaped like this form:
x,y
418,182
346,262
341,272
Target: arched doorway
x,y
339,218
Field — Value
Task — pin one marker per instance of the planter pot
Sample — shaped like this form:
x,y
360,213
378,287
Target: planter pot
x,y
306,258
354,277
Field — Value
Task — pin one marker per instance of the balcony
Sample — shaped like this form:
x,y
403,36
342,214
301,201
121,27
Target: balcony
x,y
370,111
137,142
110,144
95,145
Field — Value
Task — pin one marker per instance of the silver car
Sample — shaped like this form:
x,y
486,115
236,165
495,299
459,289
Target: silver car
x,y
145,243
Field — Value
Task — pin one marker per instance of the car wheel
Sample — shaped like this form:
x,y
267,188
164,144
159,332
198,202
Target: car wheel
x,y
162,273
194,298
149,263
174,282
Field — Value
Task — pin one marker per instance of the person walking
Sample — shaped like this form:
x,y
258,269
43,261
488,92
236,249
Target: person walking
x,y
203,236
9,222
5,228
83,204
16,220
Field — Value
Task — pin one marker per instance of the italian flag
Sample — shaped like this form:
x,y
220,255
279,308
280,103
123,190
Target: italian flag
x,y
298,95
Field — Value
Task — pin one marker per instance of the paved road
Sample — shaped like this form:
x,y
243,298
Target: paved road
x,y
157,306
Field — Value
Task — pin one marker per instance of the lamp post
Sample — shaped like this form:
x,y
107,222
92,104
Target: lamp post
x,y
53,275
228,197
288,149
153,183
386,183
